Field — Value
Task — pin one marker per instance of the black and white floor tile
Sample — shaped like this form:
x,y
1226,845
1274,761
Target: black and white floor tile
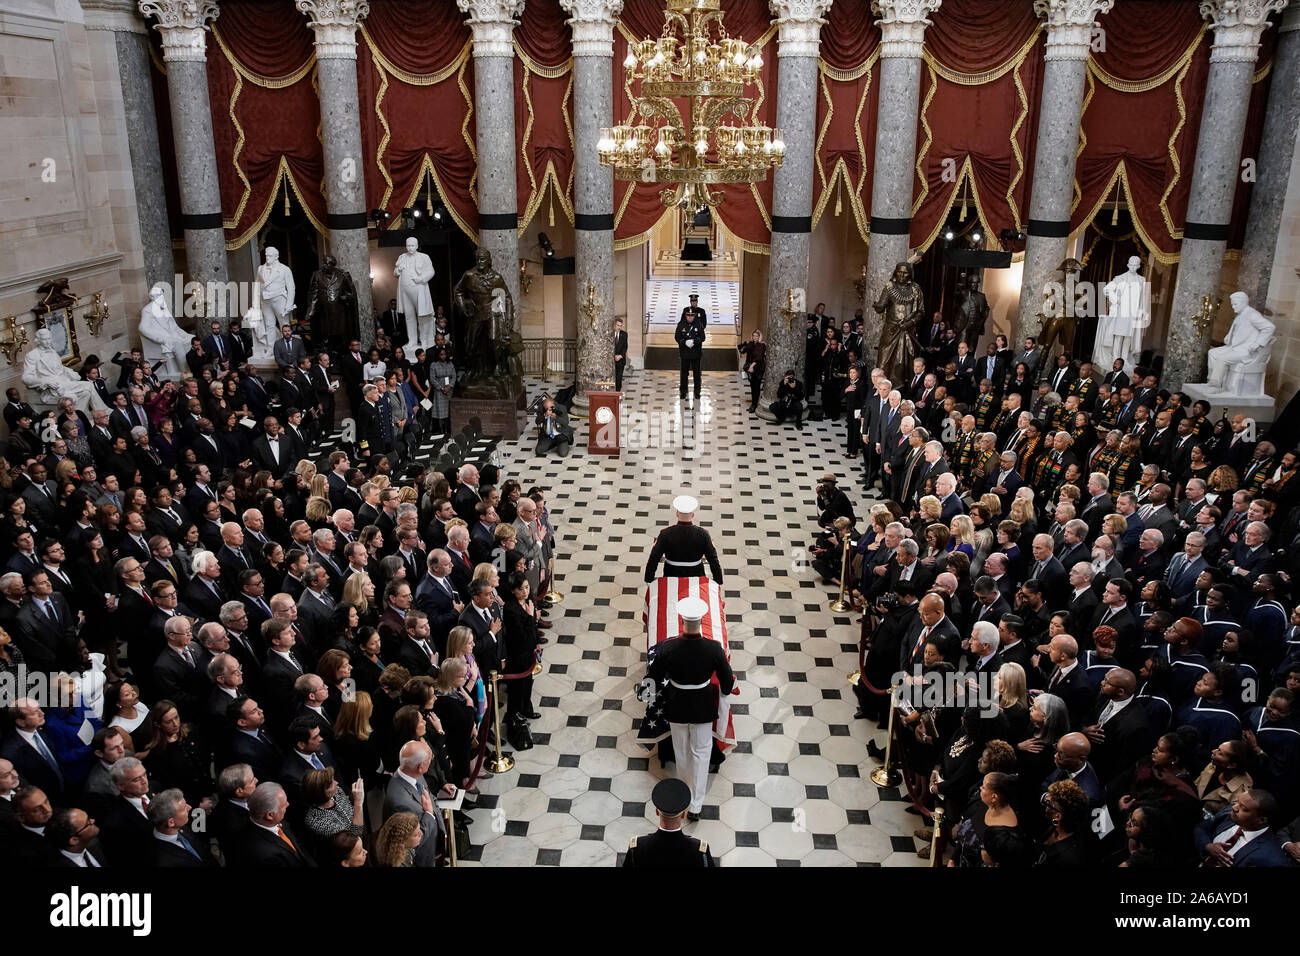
x,y
796,790
665,299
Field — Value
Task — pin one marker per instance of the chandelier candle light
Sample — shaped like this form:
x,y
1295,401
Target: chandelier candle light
x,y
695,62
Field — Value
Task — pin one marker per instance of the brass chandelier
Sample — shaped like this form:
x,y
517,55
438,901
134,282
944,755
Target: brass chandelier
x,y
695,61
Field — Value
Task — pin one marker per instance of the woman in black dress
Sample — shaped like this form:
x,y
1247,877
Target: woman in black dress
x,y
520,644
1069,842
367,664
355,748
176,756
455,708
92,577
993,811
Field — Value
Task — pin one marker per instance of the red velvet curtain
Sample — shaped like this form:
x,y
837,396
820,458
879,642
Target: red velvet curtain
x,y
980,91
745,210
544,110
848,95
265,113
415,82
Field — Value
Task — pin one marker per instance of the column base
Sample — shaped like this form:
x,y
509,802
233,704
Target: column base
x,y
1259,407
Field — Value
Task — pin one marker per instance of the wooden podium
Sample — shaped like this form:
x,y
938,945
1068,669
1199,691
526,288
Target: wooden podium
x,y
604,410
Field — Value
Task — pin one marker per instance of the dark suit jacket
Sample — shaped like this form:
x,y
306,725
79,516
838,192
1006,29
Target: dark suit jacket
x,y
1074,690
126,834
45,645
1264,850
31,766
432,598
185,686
1129,736
486,646
259,848
262,755
200,597
169,855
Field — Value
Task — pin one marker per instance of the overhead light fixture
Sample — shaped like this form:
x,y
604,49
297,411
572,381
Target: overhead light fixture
x,y
548,250
438,212
976,236
949,235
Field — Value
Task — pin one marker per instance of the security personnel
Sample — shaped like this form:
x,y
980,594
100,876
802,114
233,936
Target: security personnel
x,y
690,341
370,438
669,846
688,663
684,547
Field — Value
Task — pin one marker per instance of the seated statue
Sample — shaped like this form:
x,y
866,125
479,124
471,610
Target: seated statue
x,y
1237,366
49,379
162,341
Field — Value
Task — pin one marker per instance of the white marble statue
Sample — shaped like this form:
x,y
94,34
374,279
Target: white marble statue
x,y
414,270
1237,366
163,342
49,379
256,322
1128,313
276,284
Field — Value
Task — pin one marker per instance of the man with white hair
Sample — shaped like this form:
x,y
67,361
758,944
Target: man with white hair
x,y
175,843
205,593
1186,566
895,454
1082,599
1250,557
1048,571
1148,563
983,646
466,496
408,792
232,557
267,840
935,462
1074,547
177,674
950,502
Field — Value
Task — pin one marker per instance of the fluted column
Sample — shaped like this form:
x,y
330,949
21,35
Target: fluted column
x,y
1273,166
335,24
130,35
492,23
902,31
183,25
799,24
1069,40
1238,26
592,23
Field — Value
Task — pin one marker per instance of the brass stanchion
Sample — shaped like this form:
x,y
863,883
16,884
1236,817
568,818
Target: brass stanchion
x,y
451,835
552,595
839,604
501,763
887,776
937,821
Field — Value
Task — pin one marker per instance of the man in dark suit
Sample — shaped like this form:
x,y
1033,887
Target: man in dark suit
x,y
175,844
1149,563
1048,571
307,752
47,624
1116,611
1065,678
208,450
437,596
28,748
268,841
989,604
271,452
177,673
1222,840
16,408
478,616
1014,650
932,627
350,370
690,334
205,593
1186,566
1118,726
371,440
1006,480
620,354
407,792
126,829
249,743
71,834
1081,599
1250,557
229,818
1099,503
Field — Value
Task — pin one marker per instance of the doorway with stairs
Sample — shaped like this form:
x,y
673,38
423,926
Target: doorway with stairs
x,y
692,257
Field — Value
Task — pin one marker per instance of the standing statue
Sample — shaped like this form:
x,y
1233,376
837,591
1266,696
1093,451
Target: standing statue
x,y
1128,312
49,379
263,345
972,312
332,305
278,292
1059,321
414,270
902,305
483,298
163,342
1237,366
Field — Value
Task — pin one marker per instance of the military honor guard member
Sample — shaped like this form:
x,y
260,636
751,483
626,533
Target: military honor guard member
x,y
669,846
684,547
690,341
688,663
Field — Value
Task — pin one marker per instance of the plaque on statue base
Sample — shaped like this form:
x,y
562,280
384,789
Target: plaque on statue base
x,y
499,416
1259,407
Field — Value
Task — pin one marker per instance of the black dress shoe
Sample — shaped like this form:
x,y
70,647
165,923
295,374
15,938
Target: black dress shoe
x,y
532,715
693,817
859,715
875,751
543,640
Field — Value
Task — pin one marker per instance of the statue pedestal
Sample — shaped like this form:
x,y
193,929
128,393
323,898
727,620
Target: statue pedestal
x,y
1259,407
499,415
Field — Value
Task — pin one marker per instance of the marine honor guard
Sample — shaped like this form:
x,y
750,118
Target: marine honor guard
x,y
687,664
684,547
690,341
669,846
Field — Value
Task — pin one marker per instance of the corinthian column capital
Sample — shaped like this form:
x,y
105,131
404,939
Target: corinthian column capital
x,y
492,23
1069,26
592,23
799,25
182,24
1237,26
902,25
335,24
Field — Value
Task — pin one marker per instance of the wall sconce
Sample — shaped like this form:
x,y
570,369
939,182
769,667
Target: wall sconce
x,y
525,280
12,346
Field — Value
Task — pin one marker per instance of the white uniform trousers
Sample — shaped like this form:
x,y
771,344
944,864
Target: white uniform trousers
x,y
692,748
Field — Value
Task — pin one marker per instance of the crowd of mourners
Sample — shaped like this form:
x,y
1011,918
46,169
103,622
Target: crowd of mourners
x,y
222,643
1094,579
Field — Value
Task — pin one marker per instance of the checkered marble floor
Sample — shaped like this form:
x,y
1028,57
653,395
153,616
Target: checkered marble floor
x,y
795,791
665,299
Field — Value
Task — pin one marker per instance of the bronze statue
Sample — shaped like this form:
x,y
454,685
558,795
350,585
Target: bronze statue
x,y
1059,327
902,305
972,313
332,304
483,298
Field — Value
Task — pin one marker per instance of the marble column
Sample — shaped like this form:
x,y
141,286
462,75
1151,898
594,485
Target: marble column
x,y
130,34
1238,26
183,25
492,23
902,30
592,23
335,24
1069,40
799,24
1273,165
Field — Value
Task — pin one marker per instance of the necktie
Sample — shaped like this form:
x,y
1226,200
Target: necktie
x,y
294,661
144,802
51,613
1228,844
1106,713
221,348
920,643
170,570
48,756
285,837
1056,679
185,653
315,762
187,846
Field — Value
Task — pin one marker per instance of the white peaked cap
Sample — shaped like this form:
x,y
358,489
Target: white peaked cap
x,y
692,609
685,504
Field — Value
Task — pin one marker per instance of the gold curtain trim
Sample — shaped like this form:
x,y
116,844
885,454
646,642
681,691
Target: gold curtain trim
x,y
929,138
1015,147
964,175
1121,175
840,168
232,222
853,74
549,72
1083,142
258,79
1174,232
986,76
631,242
383,140
1264,71
464,135
537,194
284,178
417,79
1151,82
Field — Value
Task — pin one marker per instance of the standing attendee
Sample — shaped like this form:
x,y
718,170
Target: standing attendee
x,y
620,354
690,342
755,352
669,846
